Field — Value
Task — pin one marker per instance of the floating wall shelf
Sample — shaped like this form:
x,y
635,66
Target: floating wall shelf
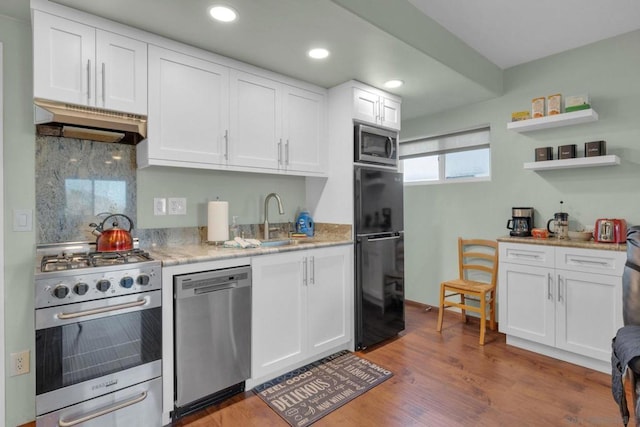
x,y
564,119
580,162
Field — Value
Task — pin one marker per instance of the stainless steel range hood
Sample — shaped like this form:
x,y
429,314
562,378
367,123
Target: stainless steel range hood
x,y
77,121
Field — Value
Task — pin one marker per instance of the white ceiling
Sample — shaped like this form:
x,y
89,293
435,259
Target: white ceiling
x,y
375,40
509,32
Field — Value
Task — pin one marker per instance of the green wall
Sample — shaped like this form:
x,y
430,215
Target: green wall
x,y
19,193
435,215
245,193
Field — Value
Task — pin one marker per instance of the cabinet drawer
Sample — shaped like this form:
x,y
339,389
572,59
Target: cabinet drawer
x,y
537,255
591,260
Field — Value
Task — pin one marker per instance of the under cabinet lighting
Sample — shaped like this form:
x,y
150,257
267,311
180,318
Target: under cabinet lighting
x,y
223,13
318,53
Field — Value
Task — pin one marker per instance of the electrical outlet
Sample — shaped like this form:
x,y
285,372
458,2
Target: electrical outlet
x,y
177,206
20,363
159,206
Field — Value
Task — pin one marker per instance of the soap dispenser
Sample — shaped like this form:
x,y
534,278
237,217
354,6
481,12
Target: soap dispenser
x,y
304,223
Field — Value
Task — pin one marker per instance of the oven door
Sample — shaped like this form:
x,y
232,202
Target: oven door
x,y
89,349
376,146
138,405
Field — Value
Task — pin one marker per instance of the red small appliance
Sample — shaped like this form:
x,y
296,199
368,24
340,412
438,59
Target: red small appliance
x,y
610,231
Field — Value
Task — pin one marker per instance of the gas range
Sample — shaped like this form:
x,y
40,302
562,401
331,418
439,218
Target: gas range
x,y
74,272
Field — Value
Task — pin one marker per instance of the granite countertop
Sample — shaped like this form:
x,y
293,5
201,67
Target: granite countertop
x,y
565,243
188,254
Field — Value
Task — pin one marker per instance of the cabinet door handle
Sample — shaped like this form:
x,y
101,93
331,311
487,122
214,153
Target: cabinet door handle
x,y
304,271
104,95
549,280
559,288
226,144
377,110
286,153
382,114
280,151
312,278
88,80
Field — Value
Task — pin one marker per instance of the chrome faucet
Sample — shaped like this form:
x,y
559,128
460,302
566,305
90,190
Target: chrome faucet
x,y
266,212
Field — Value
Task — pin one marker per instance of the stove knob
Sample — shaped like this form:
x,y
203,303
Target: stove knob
x,y
60,291
81,288
143,279
103,285
126,282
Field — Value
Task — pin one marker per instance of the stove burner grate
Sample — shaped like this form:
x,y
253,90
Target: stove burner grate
x,y
72,261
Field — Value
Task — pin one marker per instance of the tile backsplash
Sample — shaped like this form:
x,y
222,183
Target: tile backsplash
x,y
76,181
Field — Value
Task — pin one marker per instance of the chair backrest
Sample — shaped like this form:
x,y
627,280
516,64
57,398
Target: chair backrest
x,y
478,255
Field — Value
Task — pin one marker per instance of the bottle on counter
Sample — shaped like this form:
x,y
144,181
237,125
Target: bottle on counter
x,y
304,223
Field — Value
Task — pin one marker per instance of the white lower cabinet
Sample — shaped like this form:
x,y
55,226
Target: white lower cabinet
x,y
561,301
302,308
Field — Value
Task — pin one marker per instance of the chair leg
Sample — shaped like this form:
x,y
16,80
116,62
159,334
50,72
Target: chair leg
x,y
463,301
441,310
483,317
492,312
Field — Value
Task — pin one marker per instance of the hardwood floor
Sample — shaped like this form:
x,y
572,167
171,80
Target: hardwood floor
x,y
449,380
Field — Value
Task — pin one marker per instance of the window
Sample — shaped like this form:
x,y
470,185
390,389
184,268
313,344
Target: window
x,y
457,157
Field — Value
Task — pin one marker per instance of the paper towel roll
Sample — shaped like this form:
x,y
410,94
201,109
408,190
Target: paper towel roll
x,y
218,221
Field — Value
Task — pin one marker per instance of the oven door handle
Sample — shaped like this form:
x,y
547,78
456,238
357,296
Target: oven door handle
x,y
104,411
65,316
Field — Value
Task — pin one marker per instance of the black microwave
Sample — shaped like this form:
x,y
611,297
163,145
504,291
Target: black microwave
x,y
375,145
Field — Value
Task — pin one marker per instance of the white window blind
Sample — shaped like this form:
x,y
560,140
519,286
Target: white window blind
x,y
454,157
449,143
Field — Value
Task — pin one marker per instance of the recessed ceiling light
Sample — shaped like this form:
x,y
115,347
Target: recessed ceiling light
x,y
318,53
223,13
392,84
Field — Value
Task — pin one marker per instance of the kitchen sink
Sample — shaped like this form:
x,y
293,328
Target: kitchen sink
x,y
283,242
276,242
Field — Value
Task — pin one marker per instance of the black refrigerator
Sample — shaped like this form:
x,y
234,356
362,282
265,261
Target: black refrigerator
x,y
379,252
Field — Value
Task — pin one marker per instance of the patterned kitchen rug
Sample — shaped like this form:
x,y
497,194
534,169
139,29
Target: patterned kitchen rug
x,y
306,394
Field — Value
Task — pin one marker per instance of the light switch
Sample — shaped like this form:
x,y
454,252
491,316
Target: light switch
x,y
159,206
22,220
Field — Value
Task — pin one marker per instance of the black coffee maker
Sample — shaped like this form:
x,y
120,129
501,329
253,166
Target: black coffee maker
x,y
521,222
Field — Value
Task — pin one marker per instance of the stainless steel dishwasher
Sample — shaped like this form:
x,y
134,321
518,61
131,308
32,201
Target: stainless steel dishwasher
x,y
212,336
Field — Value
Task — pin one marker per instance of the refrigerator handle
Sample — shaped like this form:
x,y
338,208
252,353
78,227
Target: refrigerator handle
x,y
384,238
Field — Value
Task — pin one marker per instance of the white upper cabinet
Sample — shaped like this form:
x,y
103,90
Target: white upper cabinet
x,y
376,109
63,59
304,146
78,64
121,73
256,117
188,109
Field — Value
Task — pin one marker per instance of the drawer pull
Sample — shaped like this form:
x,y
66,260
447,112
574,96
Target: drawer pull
x,y
102,412
521,255
587,262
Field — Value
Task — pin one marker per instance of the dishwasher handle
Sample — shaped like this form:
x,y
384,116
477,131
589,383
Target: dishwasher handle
x,y
215,288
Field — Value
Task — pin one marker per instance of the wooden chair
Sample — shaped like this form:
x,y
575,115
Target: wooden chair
x,y
476,257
